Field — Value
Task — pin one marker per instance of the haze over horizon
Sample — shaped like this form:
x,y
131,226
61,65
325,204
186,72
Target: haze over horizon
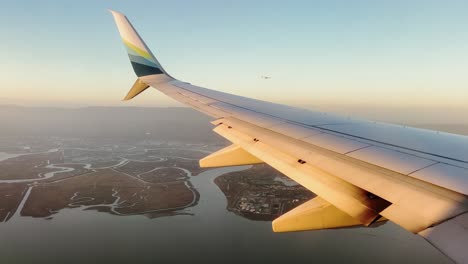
x,y
107,121
326,55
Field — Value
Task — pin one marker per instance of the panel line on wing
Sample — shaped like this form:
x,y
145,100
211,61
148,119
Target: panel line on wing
x,y
334,131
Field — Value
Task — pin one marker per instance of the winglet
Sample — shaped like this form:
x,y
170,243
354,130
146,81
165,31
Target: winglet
x,y
136,89
143,61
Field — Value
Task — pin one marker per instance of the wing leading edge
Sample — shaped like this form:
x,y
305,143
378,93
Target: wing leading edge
x,y
362,171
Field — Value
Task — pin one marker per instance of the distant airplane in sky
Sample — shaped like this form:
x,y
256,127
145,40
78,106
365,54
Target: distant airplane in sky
x,y
361,171
265,77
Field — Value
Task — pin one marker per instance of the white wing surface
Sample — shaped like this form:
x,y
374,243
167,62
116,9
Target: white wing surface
x,y
362,171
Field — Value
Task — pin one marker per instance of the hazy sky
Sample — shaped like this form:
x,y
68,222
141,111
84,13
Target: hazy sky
x,y
377,53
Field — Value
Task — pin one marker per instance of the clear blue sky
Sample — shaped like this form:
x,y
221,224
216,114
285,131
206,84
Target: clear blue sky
x,y
385,53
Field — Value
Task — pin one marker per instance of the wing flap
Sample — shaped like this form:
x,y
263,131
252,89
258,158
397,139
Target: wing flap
x,y
345,196
415,204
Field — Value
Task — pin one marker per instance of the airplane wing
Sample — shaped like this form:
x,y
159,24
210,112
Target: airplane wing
x,y
361,171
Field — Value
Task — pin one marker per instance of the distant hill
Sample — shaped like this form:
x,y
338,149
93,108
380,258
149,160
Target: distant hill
x,y
174,123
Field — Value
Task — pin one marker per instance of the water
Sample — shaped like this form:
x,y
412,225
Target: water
x,y
4,156
208,233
